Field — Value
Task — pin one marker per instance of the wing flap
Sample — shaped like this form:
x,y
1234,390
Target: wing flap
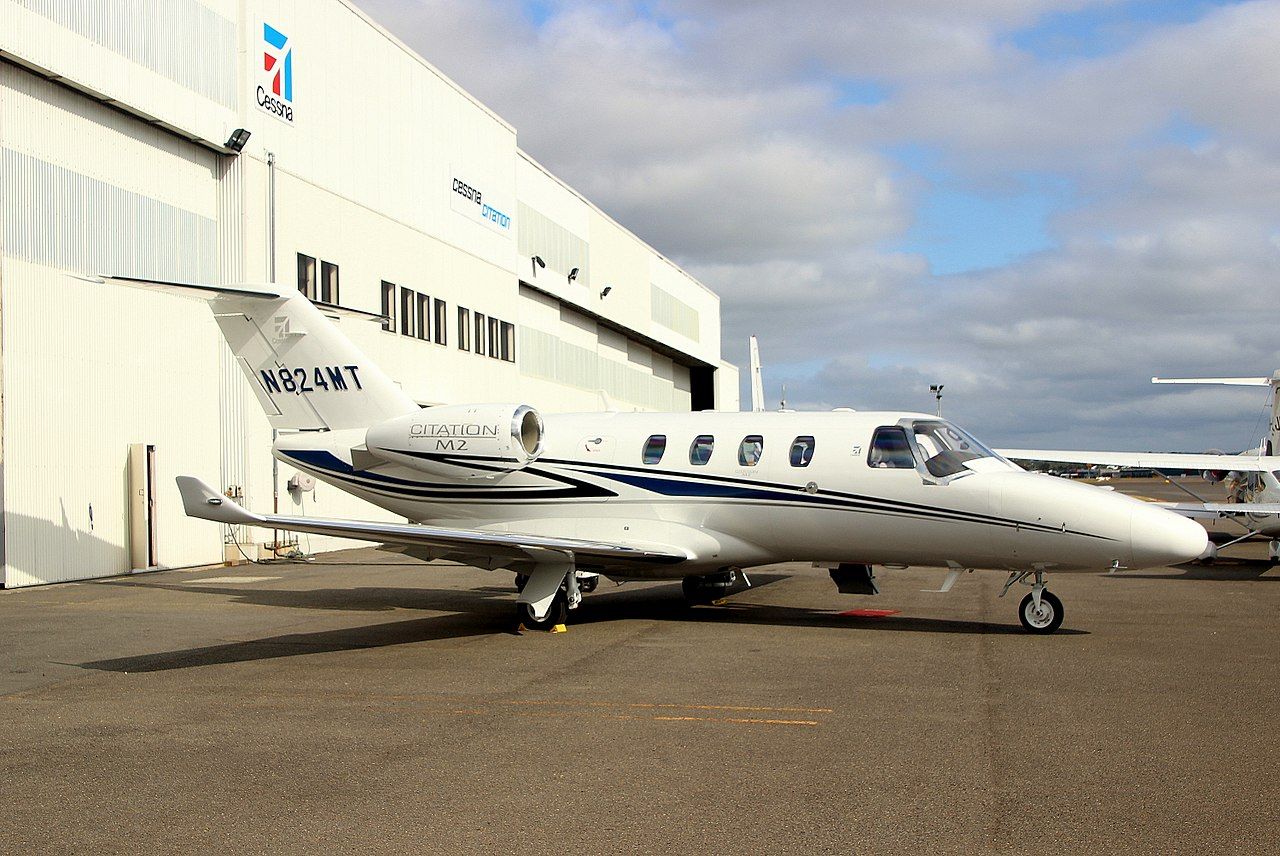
x,y
200,500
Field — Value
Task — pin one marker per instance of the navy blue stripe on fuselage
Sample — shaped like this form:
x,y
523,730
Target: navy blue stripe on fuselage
x,y
687,486
335,468
703,486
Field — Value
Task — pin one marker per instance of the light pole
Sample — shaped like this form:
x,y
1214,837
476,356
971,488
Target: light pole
x,y
936,389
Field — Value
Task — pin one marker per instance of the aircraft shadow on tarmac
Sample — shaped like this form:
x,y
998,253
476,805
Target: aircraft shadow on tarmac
x,y
488,611
1222,569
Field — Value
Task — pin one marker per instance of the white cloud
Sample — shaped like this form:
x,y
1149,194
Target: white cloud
x,y
712,129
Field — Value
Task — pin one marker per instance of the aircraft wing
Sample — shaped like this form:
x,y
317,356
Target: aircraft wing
x,y
1222,509
502,548
1149,460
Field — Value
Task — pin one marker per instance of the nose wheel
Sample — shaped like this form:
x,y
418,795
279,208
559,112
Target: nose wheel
x,y
1042,617
1040,611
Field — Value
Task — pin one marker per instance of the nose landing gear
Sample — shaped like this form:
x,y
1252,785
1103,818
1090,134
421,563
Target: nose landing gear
x,y
1040,611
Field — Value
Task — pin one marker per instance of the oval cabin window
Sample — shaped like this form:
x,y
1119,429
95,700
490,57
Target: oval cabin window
x,y
700,450
802,451
654,447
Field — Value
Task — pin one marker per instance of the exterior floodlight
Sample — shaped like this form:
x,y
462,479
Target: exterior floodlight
x,y
573,274
537,260
936,389
239,137
605,293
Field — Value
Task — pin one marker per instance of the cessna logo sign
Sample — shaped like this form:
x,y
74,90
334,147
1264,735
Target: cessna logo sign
x,y
275,81
467,199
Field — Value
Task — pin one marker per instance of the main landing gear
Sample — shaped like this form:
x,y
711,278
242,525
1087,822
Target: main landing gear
x,y
1040,611
549,591
710,587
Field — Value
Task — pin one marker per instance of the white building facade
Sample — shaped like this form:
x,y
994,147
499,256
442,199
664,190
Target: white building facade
x,y
373,182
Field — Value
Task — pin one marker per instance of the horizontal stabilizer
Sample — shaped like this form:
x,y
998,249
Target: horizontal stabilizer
x,y
200,500
199,292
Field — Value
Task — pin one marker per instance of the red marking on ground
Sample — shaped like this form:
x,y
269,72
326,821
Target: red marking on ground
x,y
870,613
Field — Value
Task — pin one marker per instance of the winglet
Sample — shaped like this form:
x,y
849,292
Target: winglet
x,y
200,500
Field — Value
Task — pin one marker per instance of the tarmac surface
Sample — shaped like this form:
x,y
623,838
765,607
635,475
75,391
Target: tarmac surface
x,y
366,703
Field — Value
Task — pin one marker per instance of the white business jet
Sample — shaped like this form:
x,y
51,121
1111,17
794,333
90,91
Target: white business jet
x,y
1252,478
696,497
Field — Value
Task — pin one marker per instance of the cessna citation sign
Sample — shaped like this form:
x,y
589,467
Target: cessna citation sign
x,y
692,497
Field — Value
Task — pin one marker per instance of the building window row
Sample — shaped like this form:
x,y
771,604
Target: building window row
x,y
417,315
414,314
750,450
321,290
486,335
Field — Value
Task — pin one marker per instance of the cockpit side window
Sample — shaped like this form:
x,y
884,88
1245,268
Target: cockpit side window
x,y
750,450
653,449
802,451
700,450
946,448
890,450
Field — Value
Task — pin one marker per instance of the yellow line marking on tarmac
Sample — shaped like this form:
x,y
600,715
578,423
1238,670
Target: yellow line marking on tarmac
x,y
670,706
735,720
718,720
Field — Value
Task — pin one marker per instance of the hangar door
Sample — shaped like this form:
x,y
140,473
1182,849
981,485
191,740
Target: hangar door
x,y
90,368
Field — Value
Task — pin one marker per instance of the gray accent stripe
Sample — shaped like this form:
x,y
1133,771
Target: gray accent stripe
x,y
182,40
60,218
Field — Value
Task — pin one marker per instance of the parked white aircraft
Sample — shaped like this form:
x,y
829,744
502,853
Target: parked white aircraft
x,y
644,496
1252,478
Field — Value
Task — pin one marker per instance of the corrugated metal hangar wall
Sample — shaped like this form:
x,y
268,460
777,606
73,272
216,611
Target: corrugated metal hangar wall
x,y
370,179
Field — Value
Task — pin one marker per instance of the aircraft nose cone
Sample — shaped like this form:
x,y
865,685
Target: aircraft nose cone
x,y
1159,538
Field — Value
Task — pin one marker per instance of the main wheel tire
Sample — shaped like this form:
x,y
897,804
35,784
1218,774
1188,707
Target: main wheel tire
x,y
1045,620
694,592
557,614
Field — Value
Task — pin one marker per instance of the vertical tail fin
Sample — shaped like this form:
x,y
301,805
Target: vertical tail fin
x,y
304,371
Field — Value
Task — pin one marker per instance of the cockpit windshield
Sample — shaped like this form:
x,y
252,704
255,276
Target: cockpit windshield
x,y
946,448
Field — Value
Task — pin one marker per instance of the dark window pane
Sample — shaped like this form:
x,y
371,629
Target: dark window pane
x,y
750,450
700,450
495,347
464,329
481,333
307,275
890,450
802,451
508,342
388,306
328,282
442,323
654,447
424,316
406,312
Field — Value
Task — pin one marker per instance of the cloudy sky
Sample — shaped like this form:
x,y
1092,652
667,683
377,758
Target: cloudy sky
x,y
1038,203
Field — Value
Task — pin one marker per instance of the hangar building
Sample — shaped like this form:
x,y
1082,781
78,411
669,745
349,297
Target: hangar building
x,y
385,191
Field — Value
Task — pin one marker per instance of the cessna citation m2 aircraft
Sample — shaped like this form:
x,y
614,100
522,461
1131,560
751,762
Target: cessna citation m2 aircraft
x,y
563,499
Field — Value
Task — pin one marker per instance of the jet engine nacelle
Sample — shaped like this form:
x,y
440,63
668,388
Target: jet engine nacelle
x,y
463,441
